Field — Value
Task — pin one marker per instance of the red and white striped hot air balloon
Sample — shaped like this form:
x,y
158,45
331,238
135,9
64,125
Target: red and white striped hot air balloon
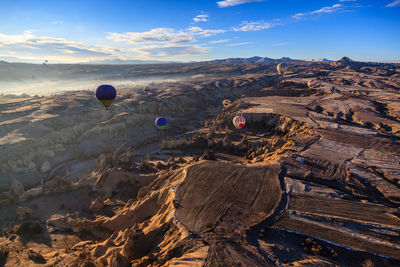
x,y
226,103
312,83
239,122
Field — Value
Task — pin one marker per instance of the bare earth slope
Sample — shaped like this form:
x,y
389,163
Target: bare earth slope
x,y
312,180
240,195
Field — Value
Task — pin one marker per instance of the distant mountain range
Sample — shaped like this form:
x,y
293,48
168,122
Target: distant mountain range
x,y
227,60
120,61
101,62
254,59
319,60
126,62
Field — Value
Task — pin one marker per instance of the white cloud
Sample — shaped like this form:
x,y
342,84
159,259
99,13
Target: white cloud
x,y
253,26
172,50
347,0
57,22
204,33
328,9
163,36
236,44
161,43
219,41
394,3
228,3
157,35
201,17
67,51
281,44
28,43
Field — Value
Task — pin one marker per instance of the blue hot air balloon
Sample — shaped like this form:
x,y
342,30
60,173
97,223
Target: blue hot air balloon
x,y
146,90
106,94
161,122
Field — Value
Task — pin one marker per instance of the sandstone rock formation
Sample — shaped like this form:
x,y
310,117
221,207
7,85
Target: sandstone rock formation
x,y
313,178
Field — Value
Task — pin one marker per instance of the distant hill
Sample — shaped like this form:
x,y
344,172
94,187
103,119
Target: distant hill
x,y
252,59
286,59
122,62
345,60
101,62
319,60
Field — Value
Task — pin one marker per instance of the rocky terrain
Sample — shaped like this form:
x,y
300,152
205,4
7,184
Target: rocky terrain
x,y
313,179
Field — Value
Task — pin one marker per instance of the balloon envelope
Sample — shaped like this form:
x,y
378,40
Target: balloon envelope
x,y
161,122
106,94
239,122
226,103
312,83
281,68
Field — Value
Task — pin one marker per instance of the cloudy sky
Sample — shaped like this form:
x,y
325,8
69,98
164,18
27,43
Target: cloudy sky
x,y
183,30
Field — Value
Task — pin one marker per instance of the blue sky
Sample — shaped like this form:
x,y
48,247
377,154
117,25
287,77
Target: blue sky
x,y
183,30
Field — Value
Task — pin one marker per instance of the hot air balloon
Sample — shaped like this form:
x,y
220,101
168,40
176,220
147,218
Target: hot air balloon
x,y
226,103
161,122
281,68
312,83
106,94
239,122
146,90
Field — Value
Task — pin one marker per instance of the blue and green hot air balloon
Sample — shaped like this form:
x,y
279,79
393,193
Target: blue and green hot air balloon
x,y
106,94
161,122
